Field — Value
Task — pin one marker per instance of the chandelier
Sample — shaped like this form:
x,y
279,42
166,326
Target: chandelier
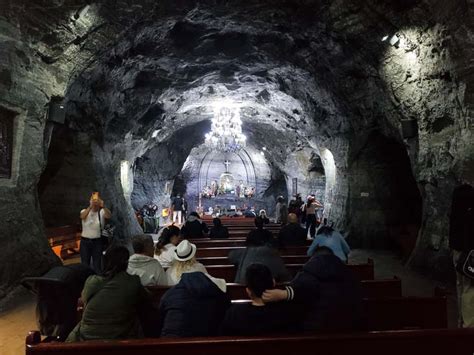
x,y
226,129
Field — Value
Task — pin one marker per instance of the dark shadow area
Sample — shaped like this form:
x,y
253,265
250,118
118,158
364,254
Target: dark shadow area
x,y
385,203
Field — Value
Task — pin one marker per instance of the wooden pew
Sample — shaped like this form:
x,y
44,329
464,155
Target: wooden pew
x,y
224,251
64,240
428,341
406,313
228,272
231,242
371,289
223,260
394,313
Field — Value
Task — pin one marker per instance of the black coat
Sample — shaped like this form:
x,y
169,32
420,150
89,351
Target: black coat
x,y
461,219
219,233
194,307
330,295
292,234
194,229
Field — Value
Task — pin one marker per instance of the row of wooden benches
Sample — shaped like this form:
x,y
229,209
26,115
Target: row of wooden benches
x,y
370,288
65,240
228,272
432,342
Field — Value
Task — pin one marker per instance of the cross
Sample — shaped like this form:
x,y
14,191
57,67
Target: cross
x,y
226,163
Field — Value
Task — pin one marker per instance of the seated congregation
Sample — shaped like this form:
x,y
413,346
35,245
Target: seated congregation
x,y
118,305
286,289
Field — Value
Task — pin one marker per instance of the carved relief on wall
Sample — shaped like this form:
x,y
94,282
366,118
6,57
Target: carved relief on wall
x,y
6,143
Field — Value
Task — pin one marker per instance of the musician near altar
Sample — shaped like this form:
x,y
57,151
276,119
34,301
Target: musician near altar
x,y
93,220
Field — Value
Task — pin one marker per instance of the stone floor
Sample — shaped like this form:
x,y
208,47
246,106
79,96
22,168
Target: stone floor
x,y
17,315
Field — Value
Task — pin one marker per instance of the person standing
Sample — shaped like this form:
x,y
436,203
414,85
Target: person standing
x,y
310,208
281,211
93,220
292,234
177,206
461,239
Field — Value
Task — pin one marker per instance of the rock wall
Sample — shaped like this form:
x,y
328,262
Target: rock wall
x,y
25,249
312,76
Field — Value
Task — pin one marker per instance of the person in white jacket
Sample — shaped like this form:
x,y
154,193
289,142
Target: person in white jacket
x,y
143,264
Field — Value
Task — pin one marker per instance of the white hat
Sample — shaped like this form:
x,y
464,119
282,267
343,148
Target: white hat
x,y
185,251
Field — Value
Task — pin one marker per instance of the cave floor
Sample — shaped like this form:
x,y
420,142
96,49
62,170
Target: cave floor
x,y
17,316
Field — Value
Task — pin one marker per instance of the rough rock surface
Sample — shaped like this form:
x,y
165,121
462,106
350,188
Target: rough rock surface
x,y
311,75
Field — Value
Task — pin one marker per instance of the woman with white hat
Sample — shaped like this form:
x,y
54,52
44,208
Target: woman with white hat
x,y
185,261
197,303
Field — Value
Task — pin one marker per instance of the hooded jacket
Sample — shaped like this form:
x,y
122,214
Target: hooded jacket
x,y
149,270
243,258
330,295
194,228
196,306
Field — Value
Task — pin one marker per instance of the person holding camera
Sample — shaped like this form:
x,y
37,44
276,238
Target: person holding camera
x,y
93,220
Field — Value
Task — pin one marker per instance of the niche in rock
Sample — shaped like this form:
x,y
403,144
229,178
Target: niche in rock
x,y
7,118
68,179
385,204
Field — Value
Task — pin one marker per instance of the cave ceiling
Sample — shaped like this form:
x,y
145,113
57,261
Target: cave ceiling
x,y
304,72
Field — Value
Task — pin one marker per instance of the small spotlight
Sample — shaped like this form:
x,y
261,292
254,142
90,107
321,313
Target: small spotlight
x,y
264,148
262,153
384,38
394,41
155,134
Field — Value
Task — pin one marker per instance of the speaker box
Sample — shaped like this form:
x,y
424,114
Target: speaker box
x,y
57,111
409,128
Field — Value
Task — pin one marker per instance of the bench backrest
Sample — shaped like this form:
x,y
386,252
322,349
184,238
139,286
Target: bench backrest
x,y
370,289
228,272
60,235
231,242
224,251
432,342
223,260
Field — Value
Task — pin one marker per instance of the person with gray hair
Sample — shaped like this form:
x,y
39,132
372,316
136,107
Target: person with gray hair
x,y
143,264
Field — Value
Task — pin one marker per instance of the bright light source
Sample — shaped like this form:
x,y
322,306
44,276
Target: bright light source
x,y
394,40
125,177
155,134
264,148
262,153
384,38
226,127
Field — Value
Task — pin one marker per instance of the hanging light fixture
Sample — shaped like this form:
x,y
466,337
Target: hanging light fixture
x,y
226,129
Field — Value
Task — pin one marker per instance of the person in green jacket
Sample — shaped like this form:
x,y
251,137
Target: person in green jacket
x,y
111,302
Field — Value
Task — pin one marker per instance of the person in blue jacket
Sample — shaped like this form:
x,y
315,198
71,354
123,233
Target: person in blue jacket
x,y
328,237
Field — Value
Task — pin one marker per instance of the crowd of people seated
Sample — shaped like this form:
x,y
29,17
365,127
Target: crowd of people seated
x,y
323,296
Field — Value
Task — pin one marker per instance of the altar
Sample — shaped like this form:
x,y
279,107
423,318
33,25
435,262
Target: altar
x,y
227,186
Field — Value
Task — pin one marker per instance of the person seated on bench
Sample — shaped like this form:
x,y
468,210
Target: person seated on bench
x,y
262,214
166,246
111,302
259,318
292,234
185,261
328,237
143,264
218,231
328,291
257,251
261,235
194,227
197,304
